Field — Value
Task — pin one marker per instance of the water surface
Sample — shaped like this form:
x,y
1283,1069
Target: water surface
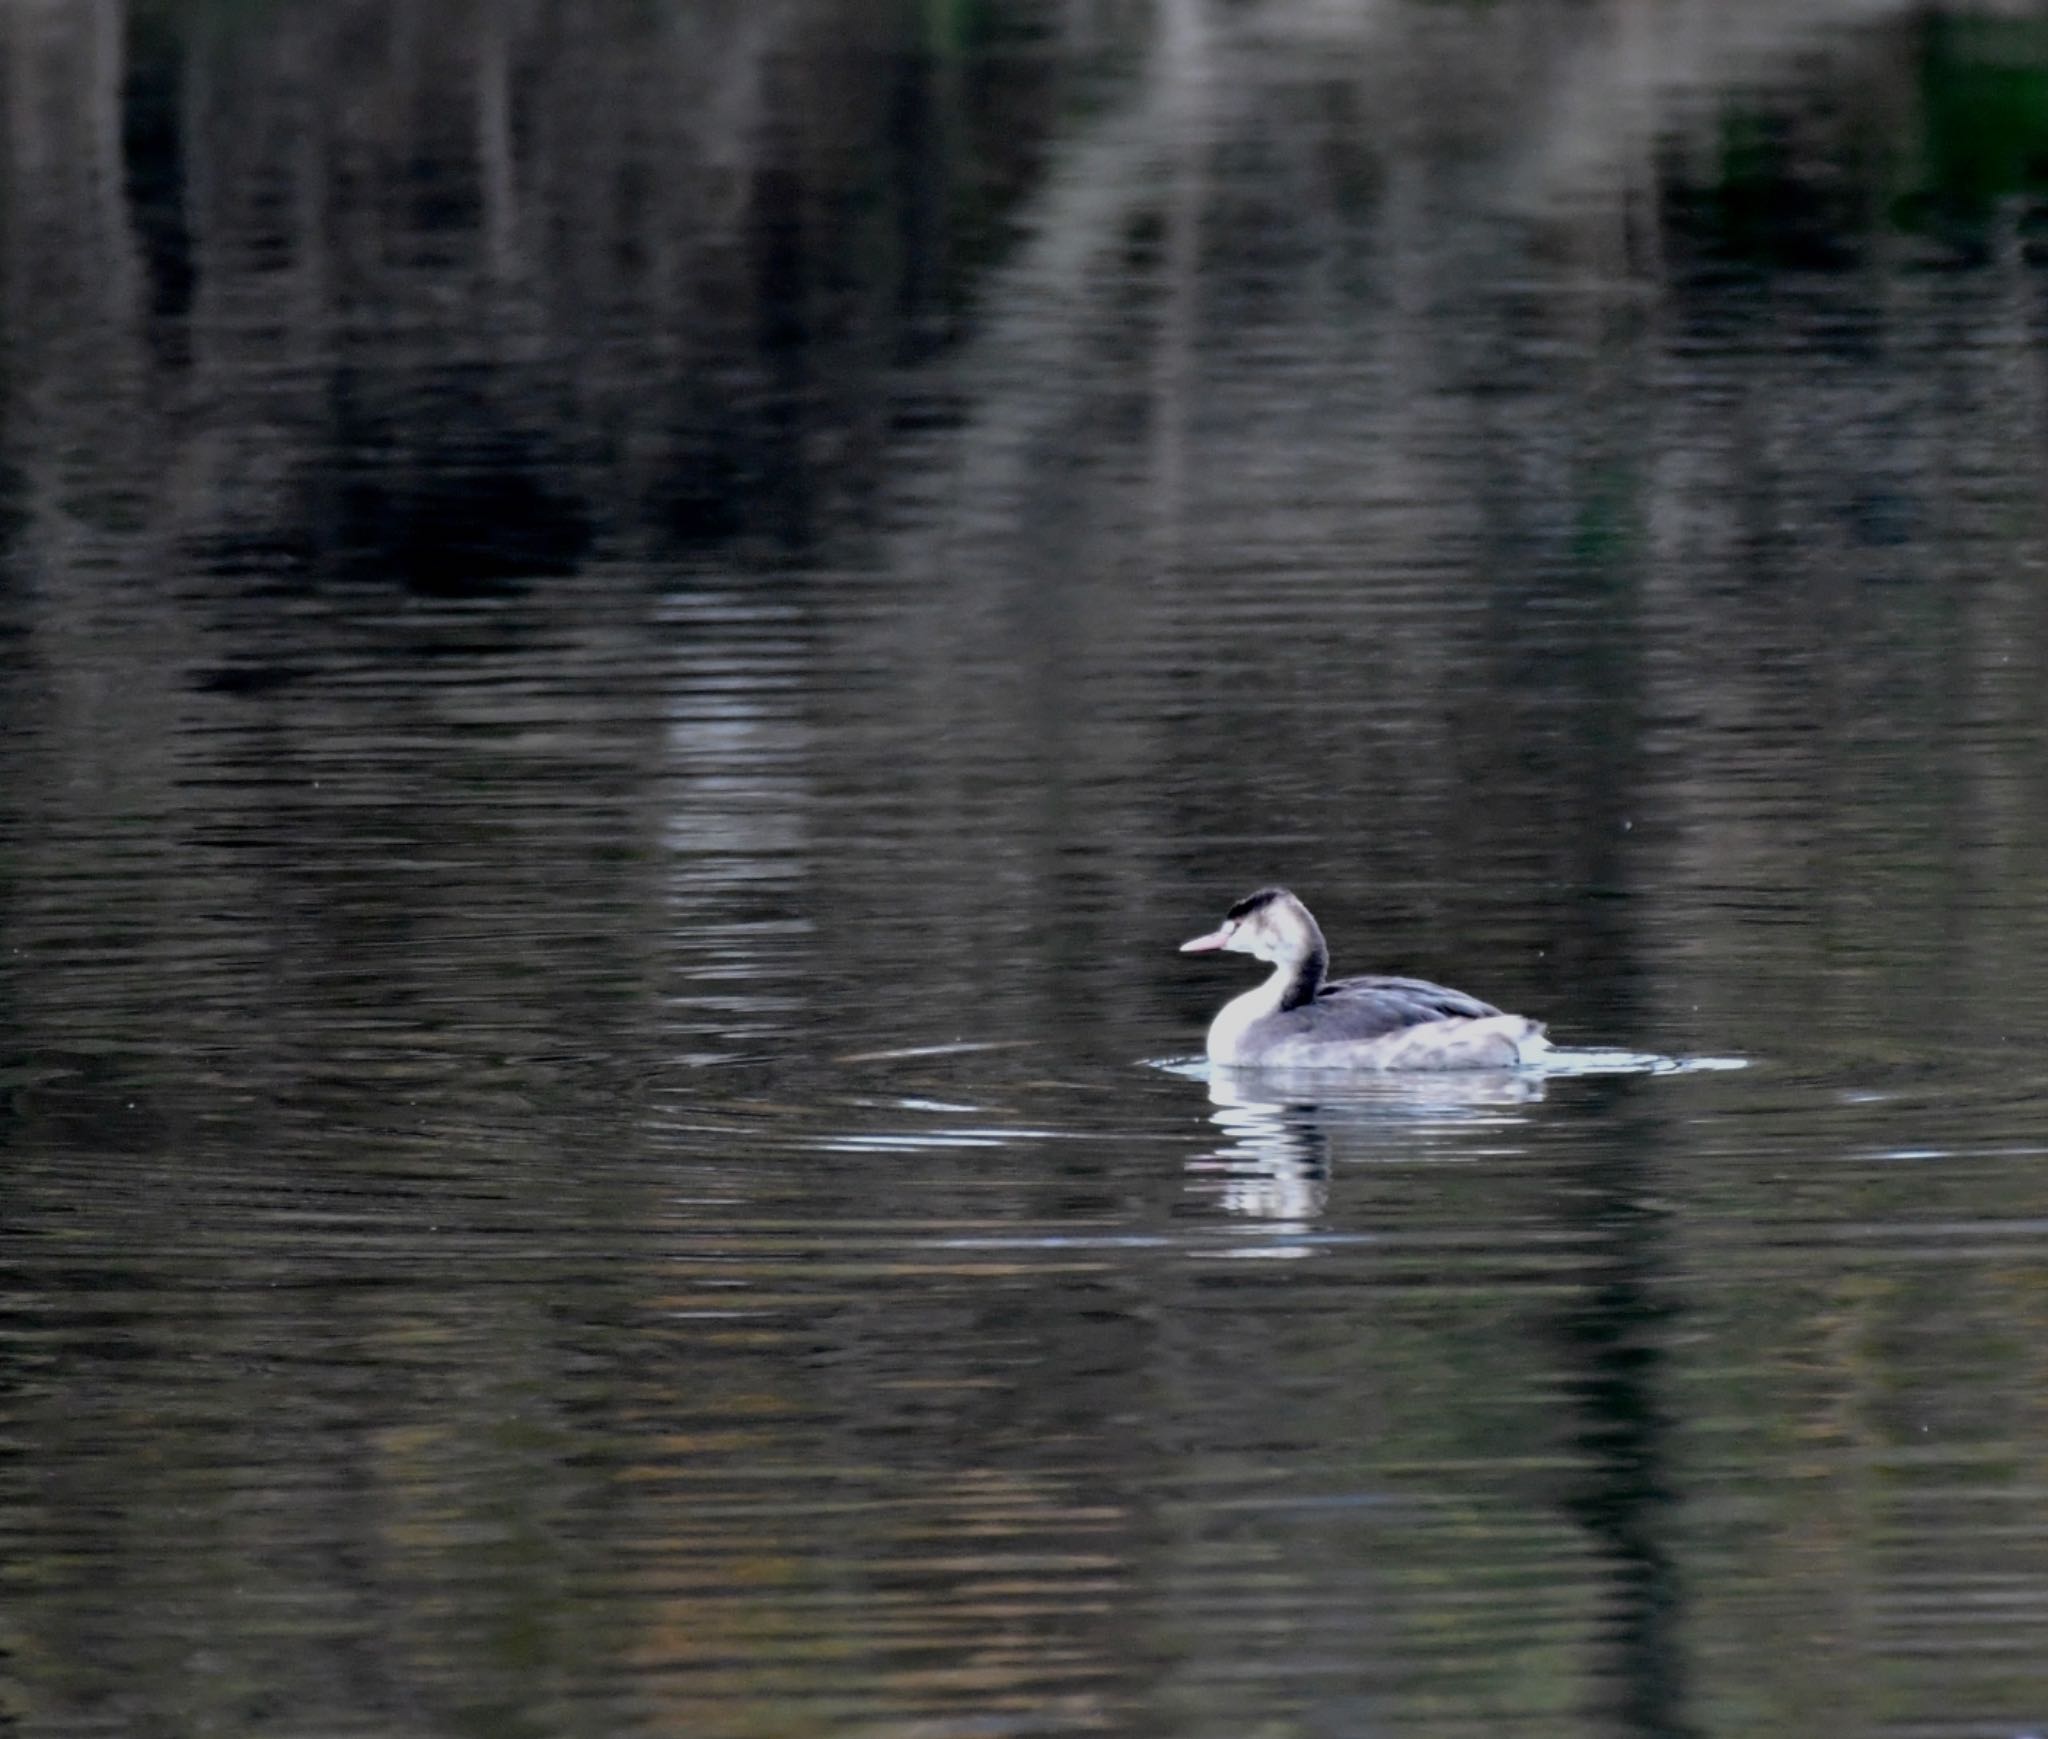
x,y
627,638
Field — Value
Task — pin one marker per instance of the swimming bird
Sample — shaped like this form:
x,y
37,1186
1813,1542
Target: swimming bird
x,y
1299,1019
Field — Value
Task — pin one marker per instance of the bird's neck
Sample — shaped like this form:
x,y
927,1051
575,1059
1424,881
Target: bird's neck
x,y
1296,981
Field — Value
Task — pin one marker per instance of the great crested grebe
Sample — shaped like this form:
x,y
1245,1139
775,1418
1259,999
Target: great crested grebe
x,y
1298,1019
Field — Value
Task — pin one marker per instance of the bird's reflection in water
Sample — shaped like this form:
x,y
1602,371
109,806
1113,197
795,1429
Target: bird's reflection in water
x,y
1284,1129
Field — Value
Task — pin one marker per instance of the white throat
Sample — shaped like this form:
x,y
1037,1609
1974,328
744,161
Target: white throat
x,y
1227,1030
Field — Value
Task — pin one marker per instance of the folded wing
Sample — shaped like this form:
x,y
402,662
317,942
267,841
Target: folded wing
x,y
1368,1008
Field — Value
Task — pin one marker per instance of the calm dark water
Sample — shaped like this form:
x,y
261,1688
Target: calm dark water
x,y
627,637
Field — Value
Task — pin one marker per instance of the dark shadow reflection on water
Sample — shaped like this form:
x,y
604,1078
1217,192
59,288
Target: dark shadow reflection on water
x,y
1613,1341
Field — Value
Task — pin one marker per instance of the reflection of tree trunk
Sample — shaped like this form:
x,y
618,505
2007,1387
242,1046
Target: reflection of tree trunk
x,y
1185,29
83,429
1612,1356
494,150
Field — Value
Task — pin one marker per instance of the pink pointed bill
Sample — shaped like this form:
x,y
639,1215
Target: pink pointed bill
x,y
1208,944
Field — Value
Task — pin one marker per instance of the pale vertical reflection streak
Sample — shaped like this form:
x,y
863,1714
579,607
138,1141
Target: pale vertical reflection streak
x,y
1187,55
738,803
